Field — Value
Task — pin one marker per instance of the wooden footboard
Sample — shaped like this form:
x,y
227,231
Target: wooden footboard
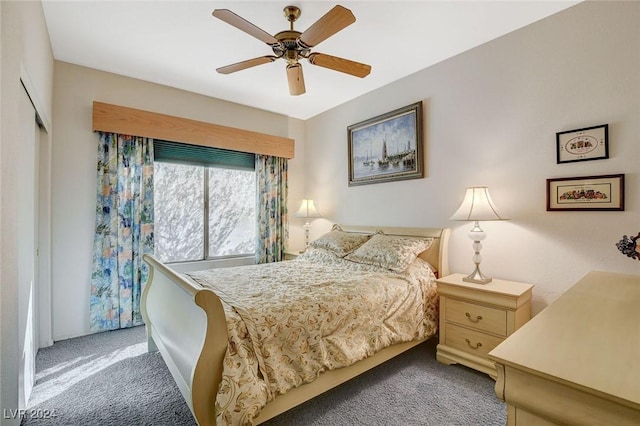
x,y
186,323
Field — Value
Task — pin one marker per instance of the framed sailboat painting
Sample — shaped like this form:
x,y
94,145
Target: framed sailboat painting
x,y
387,147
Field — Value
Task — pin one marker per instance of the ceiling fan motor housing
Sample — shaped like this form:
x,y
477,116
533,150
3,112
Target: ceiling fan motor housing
x,y
289,47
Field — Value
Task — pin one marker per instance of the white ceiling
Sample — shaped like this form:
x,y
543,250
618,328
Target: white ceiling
x,y
179,44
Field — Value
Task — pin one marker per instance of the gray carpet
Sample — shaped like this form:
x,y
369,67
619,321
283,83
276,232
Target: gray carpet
x,y
109,379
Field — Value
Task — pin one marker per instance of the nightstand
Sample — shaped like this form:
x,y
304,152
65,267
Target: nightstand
x,y
475,318
290,255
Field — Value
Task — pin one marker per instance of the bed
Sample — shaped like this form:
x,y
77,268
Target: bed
x,y
242,354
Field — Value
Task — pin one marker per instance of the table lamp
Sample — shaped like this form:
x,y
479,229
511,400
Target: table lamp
x,y
307,211
477,206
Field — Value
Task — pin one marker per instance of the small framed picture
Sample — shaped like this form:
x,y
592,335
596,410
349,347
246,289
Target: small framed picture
x,y
602,193
590,143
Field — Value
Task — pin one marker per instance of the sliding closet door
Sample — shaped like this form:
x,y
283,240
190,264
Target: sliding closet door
x,y
27,227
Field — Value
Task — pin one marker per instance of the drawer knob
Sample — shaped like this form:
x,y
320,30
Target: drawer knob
x,y
477,318
477,345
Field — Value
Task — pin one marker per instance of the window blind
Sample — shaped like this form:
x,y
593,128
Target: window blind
x,y
175,152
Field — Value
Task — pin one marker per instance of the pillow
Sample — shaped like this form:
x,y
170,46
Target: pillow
x,y
339,242
390,251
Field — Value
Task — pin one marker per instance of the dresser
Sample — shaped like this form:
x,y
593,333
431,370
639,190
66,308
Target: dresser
x,y
475,318
578,361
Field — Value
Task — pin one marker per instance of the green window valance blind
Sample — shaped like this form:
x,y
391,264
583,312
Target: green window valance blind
x,y
175,152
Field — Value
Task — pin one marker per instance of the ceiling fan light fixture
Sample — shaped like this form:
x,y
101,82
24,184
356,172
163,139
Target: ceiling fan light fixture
x,y
295,77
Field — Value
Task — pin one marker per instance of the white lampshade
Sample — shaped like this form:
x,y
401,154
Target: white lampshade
x,y
477,205
307,210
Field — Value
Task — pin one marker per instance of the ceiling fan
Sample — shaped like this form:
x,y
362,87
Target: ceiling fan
x,y
293,45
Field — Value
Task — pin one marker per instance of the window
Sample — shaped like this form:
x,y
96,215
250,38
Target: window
x,y
232,212
203,212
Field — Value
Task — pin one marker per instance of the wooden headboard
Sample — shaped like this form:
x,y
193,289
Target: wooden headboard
x,y
437,254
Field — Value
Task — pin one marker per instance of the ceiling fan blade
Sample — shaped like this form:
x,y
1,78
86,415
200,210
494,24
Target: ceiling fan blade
x,y
242,24
333,21
239,66
295,79
339,64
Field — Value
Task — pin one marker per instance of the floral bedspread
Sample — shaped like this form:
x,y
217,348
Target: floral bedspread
x,y
290,321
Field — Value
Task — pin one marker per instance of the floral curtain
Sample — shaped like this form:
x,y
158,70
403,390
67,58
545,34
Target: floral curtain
x,y
124,230
273,226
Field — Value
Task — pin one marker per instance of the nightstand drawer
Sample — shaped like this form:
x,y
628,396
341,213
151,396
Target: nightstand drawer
x,y
479,317
470,341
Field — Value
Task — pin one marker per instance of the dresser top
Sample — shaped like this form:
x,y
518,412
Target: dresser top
x,y
588,338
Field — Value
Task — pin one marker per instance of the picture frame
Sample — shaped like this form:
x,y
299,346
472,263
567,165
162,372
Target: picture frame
x,y
586,193
387,148
589,143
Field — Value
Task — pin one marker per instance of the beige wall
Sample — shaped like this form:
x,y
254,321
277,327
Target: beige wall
x,y
491,115
25,53
74,163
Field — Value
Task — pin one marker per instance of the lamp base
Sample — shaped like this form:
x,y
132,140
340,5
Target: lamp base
x,y
477,277
306,227
477,235
477,281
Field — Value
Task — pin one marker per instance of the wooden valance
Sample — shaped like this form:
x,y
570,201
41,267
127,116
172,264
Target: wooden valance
x,y
130,121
